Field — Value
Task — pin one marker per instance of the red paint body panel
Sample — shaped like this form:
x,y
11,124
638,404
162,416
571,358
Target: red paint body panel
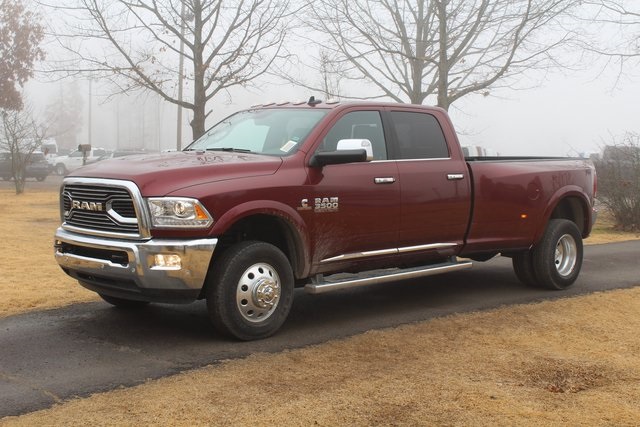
x,y
504,191
434,209
161,174
500,205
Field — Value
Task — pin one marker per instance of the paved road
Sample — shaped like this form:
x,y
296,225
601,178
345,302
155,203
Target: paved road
x,y
86,348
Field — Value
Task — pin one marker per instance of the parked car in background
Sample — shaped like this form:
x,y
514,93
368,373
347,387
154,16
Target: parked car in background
x,y
49,148
118,153
37,166
65,164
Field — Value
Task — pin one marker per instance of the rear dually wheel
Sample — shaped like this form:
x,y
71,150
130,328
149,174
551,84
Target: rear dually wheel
x,y
557,259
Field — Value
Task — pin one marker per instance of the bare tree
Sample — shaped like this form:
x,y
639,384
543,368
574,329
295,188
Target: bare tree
x,y
411,49
619,181
141,44
20,136
331,74
620,19
64,112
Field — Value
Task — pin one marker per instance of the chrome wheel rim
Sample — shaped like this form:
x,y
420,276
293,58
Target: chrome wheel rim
x,y
258,292
566,255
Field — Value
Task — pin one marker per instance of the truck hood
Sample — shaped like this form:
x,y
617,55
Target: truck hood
x,y
164,173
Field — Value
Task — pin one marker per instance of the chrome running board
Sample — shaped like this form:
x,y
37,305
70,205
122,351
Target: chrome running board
x,y
322,285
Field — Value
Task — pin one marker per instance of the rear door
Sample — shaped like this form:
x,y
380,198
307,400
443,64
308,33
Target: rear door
x,y
435,191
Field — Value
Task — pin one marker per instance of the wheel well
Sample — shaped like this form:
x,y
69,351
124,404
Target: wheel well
x,y
573,209
264,228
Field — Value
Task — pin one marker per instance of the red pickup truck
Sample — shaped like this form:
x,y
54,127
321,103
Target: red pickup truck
x,y
288,195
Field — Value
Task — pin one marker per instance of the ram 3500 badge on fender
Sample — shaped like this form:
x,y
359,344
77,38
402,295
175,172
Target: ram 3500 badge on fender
x,y
281,196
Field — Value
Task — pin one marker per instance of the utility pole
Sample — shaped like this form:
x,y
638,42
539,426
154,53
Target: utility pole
x,y
90,102
118,123
180,73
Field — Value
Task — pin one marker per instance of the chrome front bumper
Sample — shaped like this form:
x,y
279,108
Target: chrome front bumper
x,y
127,269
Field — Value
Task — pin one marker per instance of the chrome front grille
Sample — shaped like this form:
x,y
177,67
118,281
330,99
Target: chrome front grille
x,y
106,209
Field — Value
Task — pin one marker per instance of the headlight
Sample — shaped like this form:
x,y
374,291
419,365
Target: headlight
x,y
178,212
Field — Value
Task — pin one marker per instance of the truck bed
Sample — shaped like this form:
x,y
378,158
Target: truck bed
x,y
512,196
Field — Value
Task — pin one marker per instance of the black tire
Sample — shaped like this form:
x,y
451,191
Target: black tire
x,y
523,267
557,259
61,169
123,303
250,290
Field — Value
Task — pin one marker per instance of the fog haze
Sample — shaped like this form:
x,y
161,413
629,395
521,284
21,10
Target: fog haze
x,y
563,113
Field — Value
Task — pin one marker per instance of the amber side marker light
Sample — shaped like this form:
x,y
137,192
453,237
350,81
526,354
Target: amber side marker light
x,y
200,214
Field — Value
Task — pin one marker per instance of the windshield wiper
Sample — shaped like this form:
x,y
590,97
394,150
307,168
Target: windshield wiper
x,y
232,149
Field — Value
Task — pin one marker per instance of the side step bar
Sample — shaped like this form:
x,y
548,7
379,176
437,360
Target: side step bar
x,y
321,286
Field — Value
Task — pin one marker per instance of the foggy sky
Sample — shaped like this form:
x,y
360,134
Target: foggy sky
x,y
569,113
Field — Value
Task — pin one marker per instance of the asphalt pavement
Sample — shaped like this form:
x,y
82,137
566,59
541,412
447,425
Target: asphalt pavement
x,y
50,356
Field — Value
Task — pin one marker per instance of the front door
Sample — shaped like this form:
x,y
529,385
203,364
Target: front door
x,y
353,209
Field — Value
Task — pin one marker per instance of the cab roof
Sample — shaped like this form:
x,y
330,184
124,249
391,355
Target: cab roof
x,y
331,104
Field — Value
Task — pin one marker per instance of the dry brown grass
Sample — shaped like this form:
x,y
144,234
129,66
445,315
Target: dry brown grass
x,y
604,231
30,279
567,362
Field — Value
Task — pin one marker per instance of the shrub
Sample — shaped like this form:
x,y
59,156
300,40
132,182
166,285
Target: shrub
x,y
619,181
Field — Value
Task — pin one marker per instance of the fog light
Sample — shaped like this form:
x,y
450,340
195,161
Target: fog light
x,y
167,261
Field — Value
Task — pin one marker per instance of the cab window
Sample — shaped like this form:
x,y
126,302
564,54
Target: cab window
x,y
358,125
419,136
271,131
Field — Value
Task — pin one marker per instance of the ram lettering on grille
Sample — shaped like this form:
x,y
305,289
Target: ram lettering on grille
x,y
99,208
87,206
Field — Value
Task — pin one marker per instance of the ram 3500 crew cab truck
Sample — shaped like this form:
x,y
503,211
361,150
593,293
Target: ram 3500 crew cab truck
x,y
287,195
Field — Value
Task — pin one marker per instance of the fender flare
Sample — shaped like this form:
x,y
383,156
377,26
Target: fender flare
x,y
569,191
290,216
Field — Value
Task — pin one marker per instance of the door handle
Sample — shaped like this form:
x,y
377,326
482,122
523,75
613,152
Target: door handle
x,y
455,176
385,180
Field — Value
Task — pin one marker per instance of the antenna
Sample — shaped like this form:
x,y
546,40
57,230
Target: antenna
x,y
313,101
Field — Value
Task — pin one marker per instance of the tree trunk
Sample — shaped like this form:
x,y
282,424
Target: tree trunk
x,y
19,183
198,122
443,62
199,93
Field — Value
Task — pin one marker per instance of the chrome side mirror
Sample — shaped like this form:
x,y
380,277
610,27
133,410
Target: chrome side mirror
x,y
356,144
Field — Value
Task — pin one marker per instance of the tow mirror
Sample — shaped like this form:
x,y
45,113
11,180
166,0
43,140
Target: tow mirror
x,y
356,144
348,151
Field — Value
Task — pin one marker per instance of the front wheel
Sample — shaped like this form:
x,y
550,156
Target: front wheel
x,y
250,290
557,259
61,169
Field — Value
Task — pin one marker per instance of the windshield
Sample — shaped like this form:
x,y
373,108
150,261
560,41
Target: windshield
x,y
276,132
